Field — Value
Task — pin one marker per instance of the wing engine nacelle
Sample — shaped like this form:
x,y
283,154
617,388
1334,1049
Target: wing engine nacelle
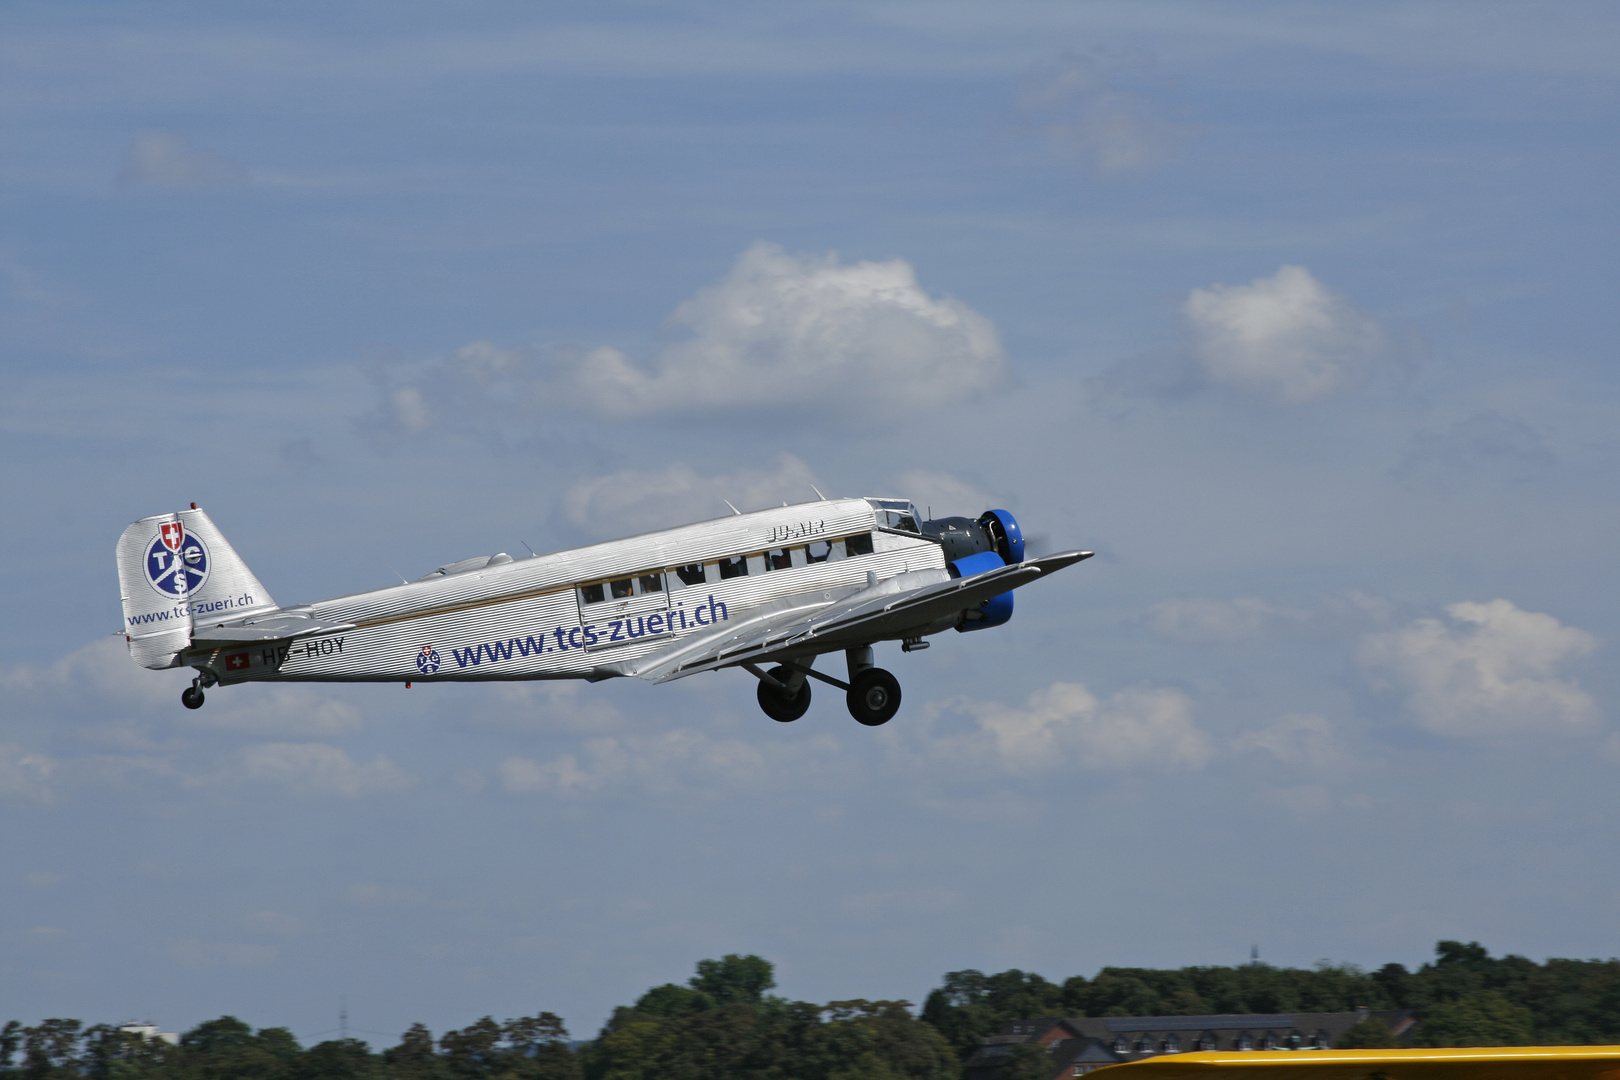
x,y
994,611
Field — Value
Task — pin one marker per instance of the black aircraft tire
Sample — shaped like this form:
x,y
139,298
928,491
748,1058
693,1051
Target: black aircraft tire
x,y
874,697
191,697
779,706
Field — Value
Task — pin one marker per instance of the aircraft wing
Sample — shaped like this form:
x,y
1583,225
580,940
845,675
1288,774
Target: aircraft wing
x,y
1472,1063
836,619
274,626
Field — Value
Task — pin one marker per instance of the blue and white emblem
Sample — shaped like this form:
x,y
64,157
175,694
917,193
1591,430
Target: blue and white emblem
x,y
427,661
176,563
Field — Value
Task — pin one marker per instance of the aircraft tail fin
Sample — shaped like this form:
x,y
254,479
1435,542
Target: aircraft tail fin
x,y
175,571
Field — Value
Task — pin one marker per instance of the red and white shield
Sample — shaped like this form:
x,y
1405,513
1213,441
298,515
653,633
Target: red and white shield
x,y
174,534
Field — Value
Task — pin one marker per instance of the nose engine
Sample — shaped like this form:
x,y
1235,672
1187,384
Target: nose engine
x,y
975,546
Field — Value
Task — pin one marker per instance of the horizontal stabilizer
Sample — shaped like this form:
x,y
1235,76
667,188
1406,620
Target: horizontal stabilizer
x,y
275,626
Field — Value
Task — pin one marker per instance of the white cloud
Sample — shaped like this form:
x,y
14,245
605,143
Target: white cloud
x,y
1083,111
1204,620
681,762
322,769
636,501
947,495
1286,338
1491,671
780,331
1065,724
796,330
168,159
277,710
24,775
1297,739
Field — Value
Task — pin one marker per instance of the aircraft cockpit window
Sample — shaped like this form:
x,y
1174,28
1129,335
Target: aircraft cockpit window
x,y
690,574
591,594
622,588
652,583
734,567
778,559
817,551
898,519
859,544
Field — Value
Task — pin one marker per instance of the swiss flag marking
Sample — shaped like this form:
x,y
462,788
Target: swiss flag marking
x,y
174,534
236,662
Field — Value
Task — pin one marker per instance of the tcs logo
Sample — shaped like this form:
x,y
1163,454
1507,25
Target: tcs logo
x,y
176,564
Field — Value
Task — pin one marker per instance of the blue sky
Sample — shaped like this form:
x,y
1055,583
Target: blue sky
x,y
1300,318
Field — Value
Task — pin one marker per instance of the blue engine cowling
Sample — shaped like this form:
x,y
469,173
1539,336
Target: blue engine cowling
x,y
997,609
1004,532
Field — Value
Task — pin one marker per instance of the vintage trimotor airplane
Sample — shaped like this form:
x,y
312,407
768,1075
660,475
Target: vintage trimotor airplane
x,y
776,587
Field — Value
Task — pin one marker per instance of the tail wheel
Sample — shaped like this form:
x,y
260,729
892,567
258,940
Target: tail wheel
x,y
779,706
874,697
191,697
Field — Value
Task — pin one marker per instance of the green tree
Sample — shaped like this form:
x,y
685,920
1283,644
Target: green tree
x,y
1369,1034
1483,1019
734,979
340,1059
971,1005
10,1039
1027,1061
50,1049
414,1058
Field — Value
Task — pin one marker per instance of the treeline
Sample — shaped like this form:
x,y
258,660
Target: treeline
x,y
723,1024
1464,997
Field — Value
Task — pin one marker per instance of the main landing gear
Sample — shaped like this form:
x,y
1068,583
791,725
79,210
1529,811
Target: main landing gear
x,y
872,694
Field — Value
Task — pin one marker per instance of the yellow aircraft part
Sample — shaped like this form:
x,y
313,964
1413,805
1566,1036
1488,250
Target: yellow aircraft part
x,y
1471,1063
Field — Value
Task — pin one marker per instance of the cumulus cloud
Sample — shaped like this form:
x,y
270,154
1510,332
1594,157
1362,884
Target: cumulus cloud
x,y
1204,620
1285,338
169,159
1487,670
638,501
24,775
780,331
1301,739
947,495
1066,725
322,769
1081,107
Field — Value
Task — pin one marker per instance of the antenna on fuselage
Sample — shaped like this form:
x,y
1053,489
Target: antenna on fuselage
x,y
397,574
525,543
734,510
819,495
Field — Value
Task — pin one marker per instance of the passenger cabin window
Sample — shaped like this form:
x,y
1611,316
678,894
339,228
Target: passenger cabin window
x,y
652,583
734,567
817,551
592,594
779,559
622,588
859,544
690,574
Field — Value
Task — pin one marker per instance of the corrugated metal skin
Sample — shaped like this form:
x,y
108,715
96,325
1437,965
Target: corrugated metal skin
x,y
503,622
